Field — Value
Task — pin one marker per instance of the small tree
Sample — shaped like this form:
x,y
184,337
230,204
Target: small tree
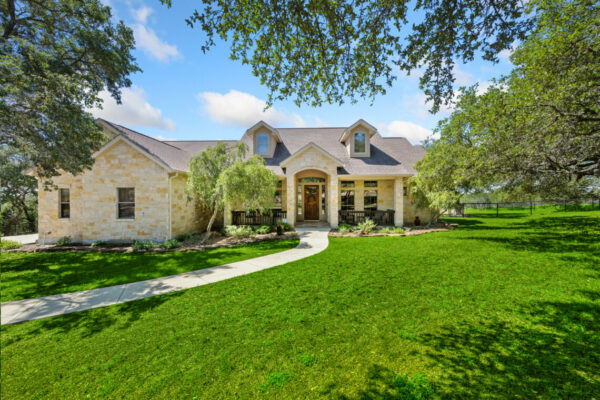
x,y
219,175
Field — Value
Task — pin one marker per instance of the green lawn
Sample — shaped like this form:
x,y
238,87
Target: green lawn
x,y
498,308
26,275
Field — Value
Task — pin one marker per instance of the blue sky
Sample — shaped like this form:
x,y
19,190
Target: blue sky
x,y
183,93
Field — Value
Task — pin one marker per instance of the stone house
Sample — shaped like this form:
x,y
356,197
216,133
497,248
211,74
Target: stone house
x,y
135,189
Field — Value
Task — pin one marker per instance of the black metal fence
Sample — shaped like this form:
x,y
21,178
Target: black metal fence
x,y
380,217
256,218
566,205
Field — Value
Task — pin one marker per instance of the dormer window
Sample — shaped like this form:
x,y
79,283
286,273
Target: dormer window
x,y
360,142
262,143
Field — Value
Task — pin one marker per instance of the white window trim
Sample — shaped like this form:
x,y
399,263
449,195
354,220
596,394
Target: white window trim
x,y
117,204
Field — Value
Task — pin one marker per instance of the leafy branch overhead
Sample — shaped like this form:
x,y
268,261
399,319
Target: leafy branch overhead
x,y
55,58
327,51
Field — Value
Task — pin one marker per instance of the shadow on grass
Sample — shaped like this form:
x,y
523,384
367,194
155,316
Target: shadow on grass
x,y
91,322
554,354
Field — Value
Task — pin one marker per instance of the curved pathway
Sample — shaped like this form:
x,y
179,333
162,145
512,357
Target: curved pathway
x,y
312,241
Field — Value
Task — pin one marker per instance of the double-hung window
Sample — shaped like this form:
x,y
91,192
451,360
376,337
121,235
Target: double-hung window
x,y
360,142
347,195
370,195
65,203
126,203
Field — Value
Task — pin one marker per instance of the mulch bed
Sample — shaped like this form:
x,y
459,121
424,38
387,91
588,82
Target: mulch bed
x,y
414,230
216,241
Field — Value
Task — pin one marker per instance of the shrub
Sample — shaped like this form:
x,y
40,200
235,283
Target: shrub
x,y
241,231
344,229
64,241
385,230
366,226
286,227
9,244
183,237
143,245
398,230
264,229
170,244
99,243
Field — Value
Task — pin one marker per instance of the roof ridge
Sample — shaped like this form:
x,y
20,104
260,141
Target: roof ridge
x,y
204,140
139,133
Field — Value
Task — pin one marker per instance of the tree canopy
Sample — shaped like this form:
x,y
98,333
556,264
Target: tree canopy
x,y
55,57
536,130
327,51
222,175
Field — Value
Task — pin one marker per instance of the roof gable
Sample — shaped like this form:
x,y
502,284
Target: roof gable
x,y
371,130
317,148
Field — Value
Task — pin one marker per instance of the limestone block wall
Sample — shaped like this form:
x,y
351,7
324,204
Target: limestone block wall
x,y
94,200
411,211
185,215
385,194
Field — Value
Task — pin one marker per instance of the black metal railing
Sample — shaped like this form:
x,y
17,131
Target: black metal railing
x,y
380,217
256,218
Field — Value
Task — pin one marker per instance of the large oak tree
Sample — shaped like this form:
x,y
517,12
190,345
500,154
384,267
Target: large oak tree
x,y
55,57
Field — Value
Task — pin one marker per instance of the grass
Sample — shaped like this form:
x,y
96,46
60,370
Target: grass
x,y
9,245
26,275
498,308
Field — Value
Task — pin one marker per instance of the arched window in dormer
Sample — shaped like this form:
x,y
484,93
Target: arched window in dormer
x,y
360,142
262,143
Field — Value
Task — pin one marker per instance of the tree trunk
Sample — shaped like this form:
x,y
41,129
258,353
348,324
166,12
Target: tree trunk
x,y
210,224
30,220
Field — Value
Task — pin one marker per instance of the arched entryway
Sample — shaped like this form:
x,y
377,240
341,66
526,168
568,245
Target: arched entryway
x,y
311,195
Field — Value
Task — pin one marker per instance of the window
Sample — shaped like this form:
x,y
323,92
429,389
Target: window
x,y
65,203
347,184
360,142
323,200
277,202
370,195
311,180
405,190
347,199
262,143
126,203
299,199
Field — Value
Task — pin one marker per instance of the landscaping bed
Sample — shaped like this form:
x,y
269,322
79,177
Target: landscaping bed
x,y
193,243
345,230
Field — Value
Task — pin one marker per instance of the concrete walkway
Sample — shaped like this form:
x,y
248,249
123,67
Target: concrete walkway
x,y
312,241
23,239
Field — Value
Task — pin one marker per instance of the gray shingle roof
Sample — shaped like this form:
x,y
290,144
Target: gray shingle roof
x,y
389,156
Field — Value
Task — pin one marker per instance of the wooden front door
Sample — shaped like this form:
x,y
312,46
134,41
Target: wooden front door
x,y
311,202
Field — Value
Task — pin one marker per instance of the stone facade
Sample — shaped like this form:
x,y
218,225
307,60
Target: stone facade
x,y
161,208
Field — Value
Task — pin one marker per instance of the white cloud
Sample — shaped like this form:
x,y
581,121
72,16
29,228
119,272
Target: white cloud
x,y
141,14
411,131
242,109
146,39
134,110
462,78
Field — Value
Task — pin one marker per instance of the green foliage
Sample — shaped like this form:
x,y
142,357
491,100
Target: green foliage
x,y
275,380
18,194
143,245
64,241
170,244
55,58
265,228
307,359
385,230
328,52
415,387
238,231
536,130
99,243
9,244
344,228
366,226
286,227
183,237
249,185
397,229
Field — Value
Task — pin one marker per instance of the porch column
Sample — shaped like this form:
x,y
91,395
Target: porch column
x,y
333,202
227,215
399,201
291,199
